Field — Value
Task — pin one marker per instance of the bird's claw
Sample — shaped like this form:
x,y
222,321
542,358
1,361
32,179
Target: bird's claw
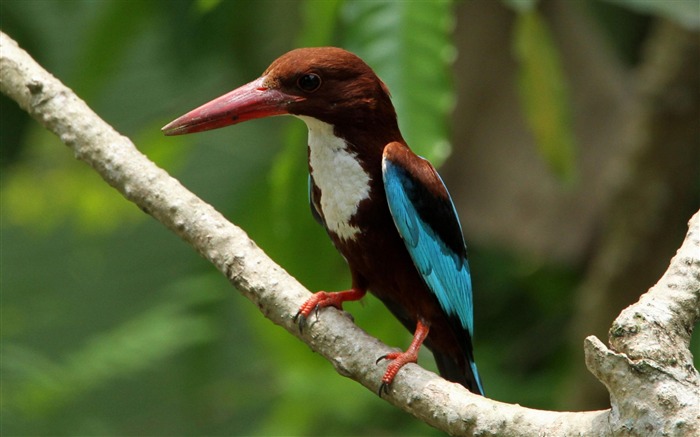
x,y
383,357
397,361
315,303
299,322
383,388
300,318
386,381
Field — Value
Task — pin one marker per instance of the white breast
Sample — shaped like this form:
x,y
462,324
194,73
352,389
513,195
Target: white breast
x,y
339,175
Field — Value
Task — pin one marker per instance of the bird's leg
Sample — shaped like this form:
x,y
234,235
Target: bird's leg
x,y
400,359
323,299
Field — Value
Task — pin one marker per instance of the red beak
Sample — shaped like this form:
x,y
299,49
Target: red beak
x,y
250,101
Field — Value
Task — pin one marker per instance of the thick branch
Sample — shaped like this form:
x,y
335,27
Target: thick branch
x,y
649,362
444,405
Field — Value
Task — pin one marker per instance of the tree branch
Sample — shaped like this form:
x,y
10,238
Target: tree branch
x,y
649,355
668,311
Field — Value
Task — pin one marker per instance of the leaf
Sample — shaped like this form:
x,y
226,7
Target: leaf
x,y
409,45
544,96
42,385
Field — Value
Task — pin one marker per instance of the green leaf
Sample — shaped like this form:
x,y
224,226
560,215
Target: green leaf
x,y
544,96
409,45
42,385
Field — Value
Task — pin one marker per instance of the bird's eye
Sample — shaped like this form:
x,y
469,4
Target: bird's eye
x,y
309,82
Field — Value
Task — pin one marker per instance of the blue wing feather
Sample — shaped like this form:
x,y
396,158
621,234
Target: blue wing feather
x,y
428,224
445,271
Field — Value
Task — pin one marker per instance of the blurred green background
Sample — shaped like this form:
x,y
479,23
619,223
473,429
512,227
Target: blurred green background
x,y
112,326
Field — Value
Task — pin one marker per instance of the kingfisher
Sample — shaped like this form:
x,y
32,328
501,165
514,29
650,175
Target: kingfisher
x,y
386,209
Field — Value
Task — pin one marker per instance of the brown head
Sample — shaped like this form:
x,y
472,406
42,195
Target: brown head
x,y
326,83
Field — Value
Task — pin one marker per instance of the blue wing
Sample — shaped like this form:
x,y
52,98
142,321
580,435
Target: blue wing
x,y
427,222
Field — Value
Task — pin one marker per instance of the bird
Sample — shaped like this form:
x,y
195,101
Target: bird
x,y
386,209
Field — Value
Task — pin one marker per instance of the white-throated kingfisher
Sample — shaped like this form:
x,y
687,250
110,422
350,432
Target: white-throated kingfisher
x,y
385,208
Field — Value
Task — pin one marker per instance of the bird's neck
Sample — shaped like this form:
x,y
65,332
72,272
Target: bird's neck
x,y
344,175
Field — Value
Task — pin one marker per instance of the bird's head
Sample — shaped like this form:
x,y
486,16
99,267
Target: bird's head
x,y
326,83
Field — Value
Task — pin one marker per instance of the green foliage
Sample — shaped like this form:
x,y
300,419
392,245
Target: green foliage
x,y
205,6
319,18
542,87
63,190
409,46
542,81
91,206
137,344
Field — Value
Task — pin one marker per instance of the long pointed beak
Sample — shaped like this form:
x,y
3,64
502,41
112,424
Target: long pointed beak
x,y
250,101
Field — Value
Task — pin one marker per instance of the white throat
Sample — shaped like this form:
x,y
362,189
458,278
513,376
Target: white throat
x,y
339,175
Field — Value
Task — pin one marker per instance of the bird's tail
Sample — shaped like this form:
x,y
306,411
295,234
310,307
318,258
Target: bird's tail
x,y
463,372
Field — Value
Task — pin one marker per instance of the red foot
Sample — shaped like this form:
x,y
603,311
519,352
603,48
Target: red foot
x,y
324,299
400,359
